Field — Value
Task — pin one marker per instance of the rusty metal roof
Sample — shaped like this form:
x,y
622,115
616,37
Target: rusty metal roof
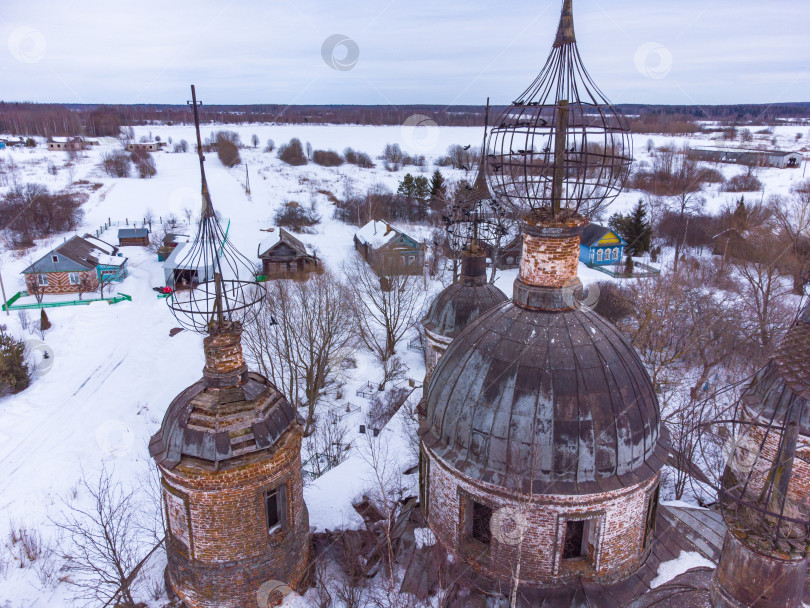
x,y
785,382
217,424
547,402
458,305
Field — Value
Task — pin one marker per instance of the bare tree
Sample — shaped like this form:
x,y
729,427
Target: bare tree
x,y
101,543
300,335
327,446
385,305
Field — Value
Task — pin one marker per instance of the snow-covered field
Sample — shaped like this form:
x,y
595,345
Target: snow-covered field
x,y
116,369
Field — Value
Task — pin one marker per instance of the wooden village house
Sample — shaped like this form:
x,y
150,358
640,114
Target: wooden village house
x,y
286,258
76,265
133,237
383,246
601,246
508,256
170,241
145,146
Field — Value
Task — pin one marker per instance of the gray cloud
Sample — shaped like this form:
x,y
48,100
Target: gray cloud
x,y
253,51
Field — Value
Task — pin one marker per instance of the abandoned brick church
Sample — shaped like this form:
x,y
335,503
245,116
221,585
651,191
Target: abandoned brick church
x,y
541,440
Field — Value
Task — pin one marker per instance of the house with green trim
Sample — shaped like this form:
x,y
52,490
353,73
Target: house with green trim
x,y
600,246
77,265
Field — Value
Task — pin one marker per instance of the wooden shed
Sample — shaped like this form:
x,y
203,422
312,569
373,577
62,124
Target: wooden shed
x,y
287,258
133,237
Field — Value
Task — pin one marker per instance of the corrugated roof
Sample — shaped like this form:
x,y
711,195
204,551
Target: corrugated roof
x,y
283,237
594,233
76,255
132,233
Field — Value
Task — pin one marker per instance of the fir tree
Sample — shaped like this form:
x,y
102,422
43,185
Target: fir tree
x,y
407,187
14,376
634,228
437,185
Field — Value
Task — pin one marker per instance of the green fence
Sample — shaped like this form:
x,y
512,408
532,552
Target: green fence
x,y
121,297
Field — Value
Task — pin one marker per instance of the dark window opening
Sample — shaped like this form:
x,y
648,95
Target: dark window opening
x,y
580,540
275,506
271,502
652,515
481,519
574,537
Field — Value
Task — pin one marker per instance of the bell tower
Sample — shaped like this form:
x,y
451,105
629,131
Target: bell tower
x,y
229,447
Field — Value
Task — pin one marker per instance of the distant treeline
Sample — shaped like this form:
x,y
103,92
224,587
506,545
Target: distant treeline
x,y
101,120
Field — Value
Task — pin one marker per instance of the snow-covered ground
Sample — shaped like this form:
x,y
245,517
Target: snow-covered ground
x,y
116,369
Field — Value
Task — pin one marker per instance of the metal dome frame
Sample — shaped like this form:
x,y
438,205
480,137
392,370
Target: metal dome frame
x,y
560,148
223,296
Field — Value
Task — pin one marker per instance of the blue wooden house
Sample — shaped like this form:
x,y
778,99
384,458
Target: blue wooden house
x,y
600,246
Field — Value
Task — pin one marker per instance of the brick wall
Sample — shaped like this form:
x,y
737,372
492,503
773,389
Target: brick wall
x,y
223,350
746,462
620,516
59,282
549,262
226,553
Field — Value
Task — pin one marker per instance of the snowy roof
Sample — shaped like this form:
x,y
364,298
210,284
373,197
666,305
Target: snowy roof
x,y
76,255
64,140
103,246
132,233
733,150
176,259
376,234
283,237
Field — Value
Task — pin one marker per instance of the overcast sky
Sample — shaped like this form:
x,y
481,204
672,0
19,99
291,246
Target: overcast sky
x,y
418,51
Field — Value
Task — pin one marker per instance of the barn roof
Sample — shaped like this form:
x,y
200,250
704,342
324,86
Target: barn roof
x,y
284,238
76,255
132,233
594,233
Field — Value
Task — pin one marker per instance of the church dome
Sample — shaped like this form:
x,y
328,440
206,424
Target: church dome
x,y
463,301
537,395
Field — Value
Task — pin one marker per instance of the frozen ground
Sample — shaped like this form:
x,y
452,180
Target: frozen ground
x,y
116,369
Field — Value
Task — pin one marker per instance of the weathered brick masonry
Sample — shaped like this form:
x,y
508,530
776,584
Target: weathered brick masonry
x,y
621,517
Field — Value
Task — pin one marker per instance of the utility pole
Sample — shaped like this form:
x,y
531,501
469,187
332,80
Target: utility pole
x,y
5,300
247,181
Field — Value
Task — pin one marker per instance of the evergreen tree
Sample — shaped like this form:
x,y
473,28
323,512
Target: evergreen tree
x,y
634,228
629,265
14,376
437,185
407,187
421,188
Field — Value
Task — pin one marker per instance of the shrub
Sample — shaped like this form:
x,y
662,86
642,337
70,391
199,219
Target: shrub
x,y
743,183
295,217
459,158
271,145
181,146
30,143
144,163
361,159
14,375
613,303
116,164
44,321
228,153
31,211
292,153
327,158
